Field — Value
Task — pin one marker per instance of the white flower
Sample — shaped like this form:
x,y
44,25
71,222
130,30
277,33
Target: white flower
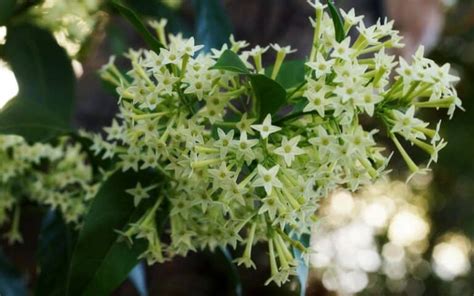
x,y
316,101
284,49
267,178
321,66
343,50
266,128
289,149
407,124
171,56
139,193
350,18
257,50
316,4
244,147
189,48
224,142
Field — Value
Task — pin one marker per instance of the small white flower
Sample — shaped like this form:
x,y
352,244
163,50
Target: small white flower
x,y
139,193
284,49
316,4
266,128
189,48
408,125
321,66
267,178
289,149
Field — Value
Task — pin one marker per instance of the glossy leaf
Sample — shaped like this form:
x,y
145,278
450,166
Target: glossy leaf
x,y
133,18
43,107
100,263
55,245
337,20
114,268
291,73
212,25
11,281
270,95
7,8
34,121
230,61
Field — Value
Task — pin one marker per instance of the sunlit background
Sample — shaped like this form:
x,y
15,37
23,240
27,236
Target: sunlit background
x,y
8,84
377,241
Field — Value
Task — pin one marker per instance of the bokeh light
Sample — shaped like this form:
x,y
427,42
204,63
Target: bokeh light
x,y
3,34
375,236
8,84
451,257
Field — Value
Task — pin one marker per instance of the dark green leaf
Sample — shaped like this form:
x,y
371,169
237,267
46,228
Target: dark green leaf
x,y
100,263
11,281
337,20
212,24
302,269
230,61
133,18
291,73
296,111
55,246
232,271
138,278
114,268
31,120
42,68
270,95
6,10
43,108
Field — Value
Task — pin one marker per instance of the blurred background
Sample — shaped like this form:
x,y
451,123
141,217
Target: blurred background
x,y
392,238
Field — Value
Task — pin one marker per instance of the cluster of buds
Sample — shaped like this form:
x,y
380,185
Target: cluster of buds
x,y
55,177
71,21
234,177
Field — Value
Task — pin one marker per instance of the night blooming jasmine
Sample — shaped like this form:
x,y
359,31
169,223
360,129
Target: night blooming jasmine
x,y
54,176
244,155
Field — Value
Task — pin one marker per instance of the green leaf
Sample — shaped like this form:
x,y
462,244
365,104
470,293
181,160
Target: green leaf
x,y
212,24
232,271
302,270
270,95
55,246
100,263
114,268
337,20
230,61
11,281
291,73
44,105
6,10
133,18
31,120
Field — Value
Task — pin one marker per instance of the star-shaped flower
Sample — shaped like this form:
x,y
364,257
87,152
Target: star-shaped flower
x,y
268,178
289,149
139,193
266,128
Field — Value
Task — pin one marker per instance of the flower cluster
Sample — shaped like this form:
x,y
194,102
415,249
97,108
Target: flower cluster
x,y
236,177
72,21
57,177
